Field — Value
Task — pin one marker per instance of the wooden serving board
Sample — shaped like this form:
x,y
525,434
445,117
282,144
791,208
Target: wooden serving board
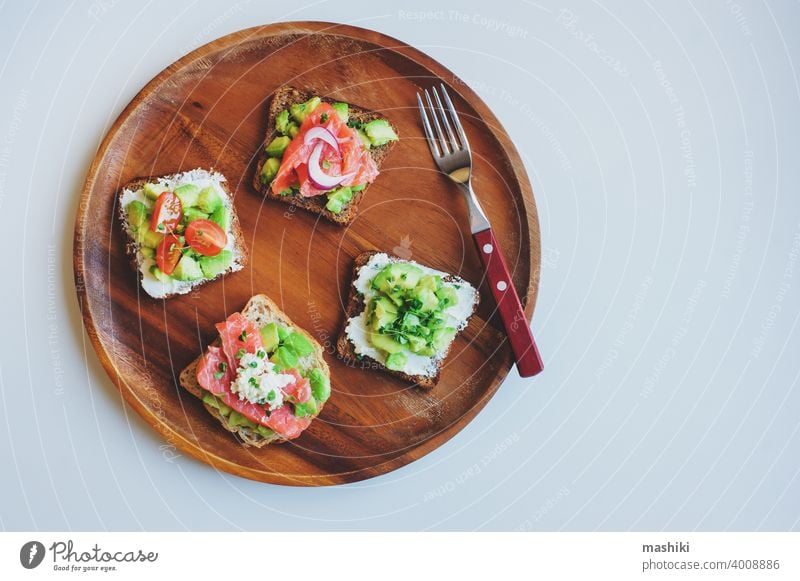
x,y
209,110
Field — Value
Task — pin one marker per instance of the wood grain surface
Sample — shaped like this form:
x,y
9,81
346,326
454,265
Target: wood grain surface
x,y
209,110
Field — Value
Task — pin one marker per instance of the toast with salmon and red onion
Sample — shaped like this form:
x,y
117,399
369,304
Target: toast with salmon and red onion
x,y
263,378
320,154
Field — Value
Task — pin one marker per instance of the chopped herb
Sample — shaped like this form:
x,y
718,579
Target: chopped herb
x,y
240,353
218,375
260,354
252,381
223,366
271,396
160,227
323,118
243,336
326,164
253,364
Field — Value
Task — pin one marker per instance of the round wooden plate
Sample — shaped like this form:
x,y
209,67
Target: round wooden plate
x,y
209,110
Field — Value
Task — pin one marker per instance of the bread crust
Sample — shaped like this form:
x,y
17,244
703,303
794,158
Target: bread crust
x,y
283,98
355,305
188,377
132,247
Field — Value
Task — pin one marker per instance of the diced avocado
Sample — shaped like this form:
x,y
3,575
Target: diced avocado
x,y
235,419
284,332
398,274
416,344
431,281
293,130
136,213
447,295
269,337
300,110
282,121
298,343
338,198
152,191
385,342
364,139
147,237
147,252
427,352
428,299
222,217
159,276
270,169
284,357
264,431
187,269
216,403
320,385
277,146
309,408
384,312
443,337
190,214
342,110
215,265
209,200
188,194
358,187
396,361
380,132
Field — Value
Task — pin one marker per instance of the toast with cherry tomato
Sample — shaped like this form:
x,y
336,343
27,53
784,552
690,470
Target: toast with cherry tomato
x,y
320,154
263,378
182,230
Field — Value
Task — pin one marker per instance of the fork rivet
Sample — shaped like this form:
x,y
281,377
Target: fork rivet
x,y
501,286
487,248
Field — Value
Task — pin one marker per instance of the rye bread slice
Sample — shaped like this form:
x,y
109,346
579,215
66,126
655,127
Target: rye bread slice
x,y
261,310
282,99
355,305
132,247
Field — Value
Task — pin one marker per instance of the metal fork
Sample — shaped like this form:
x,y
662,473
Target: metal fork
x,y
450,149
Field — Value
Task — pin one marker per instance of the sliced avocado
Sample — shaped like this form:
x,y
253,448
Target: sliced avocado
x,y
447,295
298,343
428,299
270,169
443,337
342,110
338,198
300,110
147,237
396,361
222,217
269,337
284,357
407,275
152,191
216,403
384,313
416,344
282,121
277,146
215,265
188,194
187,269
190,214
136,214
309,408
358,187
284,332
385,342
364,139
320,385
160,276
293,130
380,132
235,419
147,252
427,352
431,281
209,200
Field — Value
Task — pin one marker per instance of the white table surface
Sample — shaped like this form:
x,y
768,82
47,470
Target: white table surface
x,y
662,143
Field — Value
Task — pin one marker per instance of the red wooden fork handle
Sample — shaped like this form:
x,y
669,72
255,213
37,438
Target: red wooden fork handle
x,y
529,362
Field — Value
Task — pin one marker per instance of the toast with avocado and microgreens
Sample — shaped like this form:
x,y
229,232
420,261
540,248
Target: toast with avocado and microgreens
x,y
403,317
264,378
182,230
320,154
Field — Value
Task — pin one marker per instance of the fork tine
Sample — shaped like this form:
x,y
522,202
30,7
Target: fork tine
x,y
454,145
428,131
456,121
442,141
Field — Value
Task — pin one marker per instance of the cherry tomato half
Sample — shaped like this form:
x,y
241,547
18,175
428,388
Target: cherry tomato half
x,y
168,253
167,213
206,237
